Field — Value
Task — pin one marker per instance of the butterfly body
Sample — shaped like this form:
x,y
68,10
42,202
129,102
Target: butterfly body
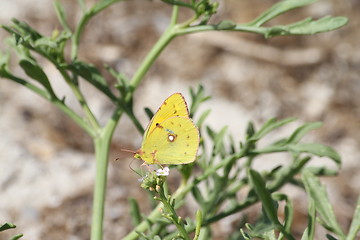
x,y
171,136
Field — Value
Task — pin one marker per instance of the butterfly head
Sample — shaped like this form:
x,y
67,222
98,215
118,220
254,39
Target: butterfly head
x,y
138,154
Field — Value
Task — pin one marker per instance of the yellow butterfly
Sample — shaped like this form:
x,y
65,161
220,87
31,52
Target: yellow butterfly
x,y
171,136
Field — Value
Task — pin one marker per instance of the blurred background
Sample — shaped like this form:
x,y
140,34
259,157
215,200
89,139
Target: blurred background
x,y
47,162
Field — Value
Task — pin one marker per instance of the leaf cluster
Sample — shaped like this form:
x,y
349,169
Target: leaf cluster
x,y
225,169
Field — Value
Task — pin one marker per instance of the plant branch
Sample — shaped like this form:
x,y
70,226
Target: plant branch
x,y
98,7
149,60
57,102
82,101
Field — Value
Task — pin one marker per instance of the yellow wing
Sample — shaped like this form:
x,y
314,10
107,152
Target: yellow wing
x,y
173,106
173,141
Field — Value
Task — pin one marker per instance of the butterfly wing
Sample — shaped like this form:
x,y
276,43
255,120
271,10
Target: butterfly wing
x,y
173,141
173,106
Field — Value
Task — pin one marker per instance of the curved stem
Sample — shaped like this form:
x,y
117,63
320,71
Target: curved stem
x,y
98,7
76,37
80,121
150,58
57,102
203,28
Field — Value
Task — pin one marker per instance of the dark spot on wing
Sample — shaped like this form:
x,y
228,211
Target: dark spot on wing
x,y
171,137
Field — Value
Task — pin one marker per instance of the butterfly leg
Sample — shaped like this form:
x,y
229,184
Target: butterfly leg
x,y
154,159
147,165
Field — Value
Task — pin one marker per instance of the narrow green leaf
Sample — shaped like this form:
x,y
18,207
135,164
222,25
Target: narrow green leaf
x,y
9,29
186,171
91,74
179,3
35,72
288,209
318,194
324,24
250,129
202,118
16,237
4,61
318,150
322,171
198,224
149,113
198,196
301,131
134,212
355,224
61,15
277,9
45,42
330,237
308,26
258,183
210,132
122,81
219,140
310,230
245,235
197,97
7,226
286,173
102,4
269,126
26,30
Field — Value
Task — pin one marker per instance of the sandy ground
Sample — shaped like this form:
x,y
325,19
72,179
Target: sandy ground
x,y
47,162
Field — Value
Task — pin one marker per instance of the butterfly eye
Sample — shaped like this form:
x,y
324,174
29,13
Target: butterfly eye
x,y
171,137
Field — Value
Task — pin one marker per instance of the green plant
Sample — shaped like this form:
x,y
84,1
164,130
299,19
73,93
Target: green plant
x,y
7,226
28,43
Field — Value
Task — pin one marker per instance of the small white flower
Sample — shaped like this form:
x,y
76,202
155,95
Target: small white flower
x,y
163,171
142,179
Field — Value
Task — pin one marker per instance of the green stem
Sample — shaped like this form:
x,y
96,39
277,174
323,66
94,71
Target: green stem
x,y
98,7
76,37
101,153
82,101
173,215
174,15
102,146
150,58
80,121
203,28
57,102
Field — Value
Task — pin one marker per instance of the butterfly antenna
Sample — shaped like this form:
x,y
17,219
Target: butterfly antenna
x,y
127,150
